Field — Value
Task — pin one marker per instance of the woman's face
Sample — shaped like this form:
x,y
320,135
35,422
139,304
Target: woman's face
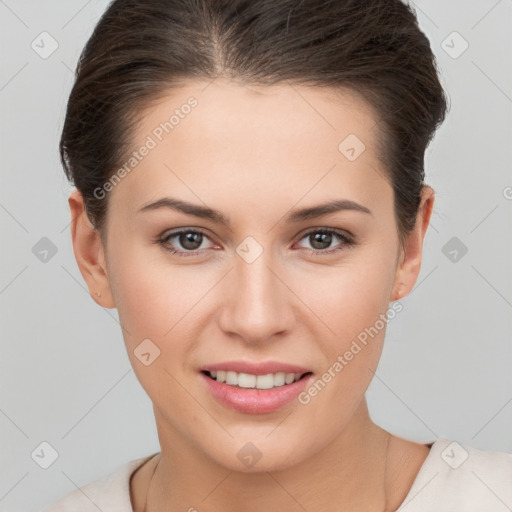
x,y
269,289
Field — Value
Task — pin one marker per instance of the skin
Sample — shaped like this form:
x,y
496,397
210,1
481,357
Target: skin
x,y
256,153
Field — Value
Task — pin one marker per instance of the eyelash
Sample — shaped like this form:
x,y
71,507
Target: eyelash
x,y
347,241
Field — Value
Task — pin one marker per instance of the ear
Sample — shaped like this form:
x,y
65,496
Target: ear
x,y
409,264
89,252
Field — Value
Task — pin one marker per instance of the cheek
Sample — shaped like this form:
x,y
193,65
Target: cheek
x,y
153,302
356,311
153,310
352,300
150,293
351,296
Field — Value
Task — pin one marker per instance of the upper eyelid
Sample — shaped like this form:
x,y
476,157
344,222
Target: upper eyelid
x,y
335,231
172,233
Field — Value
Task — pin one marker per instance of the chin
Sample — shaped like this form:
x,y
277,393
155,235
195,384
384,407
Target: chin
x,y
262,454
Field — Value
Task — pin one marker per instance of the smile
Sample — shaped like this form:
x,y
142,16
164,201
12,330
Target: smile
x,y
255,388
250,381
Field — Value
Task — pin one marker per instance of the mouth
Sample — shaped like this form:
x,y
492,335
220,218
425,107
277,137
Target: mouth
x,y
256,388
252,381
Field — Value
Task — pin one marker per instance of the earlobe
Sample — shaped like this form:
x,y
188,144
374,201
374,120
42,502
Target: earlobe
x,y
89,252
411,256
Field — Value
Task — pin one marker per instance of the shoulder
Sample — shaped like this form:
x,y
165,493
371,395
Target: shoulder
x,y
456,476
110,493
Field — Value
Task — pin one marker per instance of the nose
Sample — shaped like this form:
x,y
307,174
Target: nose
x,y
258,304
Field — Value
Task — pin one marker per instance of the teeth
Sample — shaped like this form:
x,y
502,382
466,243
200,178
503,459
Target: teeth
x,y
247,380
232,378
280,378
289,378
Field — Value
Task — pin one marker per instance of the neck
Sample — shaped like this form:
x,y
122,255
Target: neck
x,y
348,473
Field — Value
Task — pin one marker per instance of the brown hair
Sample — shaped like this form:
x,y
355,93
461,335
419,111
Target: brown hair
x,y
139,49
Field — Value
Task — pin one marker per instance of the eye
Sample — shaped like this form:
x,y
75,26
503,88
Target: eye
x,y
190,240
322,238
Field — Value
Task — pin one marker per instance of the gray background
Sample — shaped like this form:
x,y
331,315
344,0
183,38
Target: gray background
x,y
65,375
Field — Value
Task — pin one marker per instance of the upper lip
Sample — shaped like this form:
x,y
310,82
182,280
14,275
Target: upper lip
x,y
254,368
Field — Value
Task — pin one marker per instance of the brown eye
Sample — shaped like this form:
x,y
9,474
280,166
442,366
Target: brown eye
x,y
190,240
186,242
322,239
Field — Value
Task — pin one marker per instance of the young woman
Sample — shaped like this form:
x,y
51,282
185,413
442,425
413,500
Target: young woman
x,y
250,196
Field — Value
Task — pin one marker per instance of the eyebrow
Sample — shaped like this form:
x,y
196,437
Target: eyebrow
x,y
296,215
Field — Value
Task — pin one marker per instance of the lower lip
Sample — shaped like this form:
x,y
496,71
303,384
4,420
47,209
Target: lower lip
x,y
255,401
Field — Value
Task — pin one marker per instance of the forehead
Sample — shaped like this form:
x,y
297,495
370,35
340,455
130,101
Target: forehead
x,y
208,139
233,110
